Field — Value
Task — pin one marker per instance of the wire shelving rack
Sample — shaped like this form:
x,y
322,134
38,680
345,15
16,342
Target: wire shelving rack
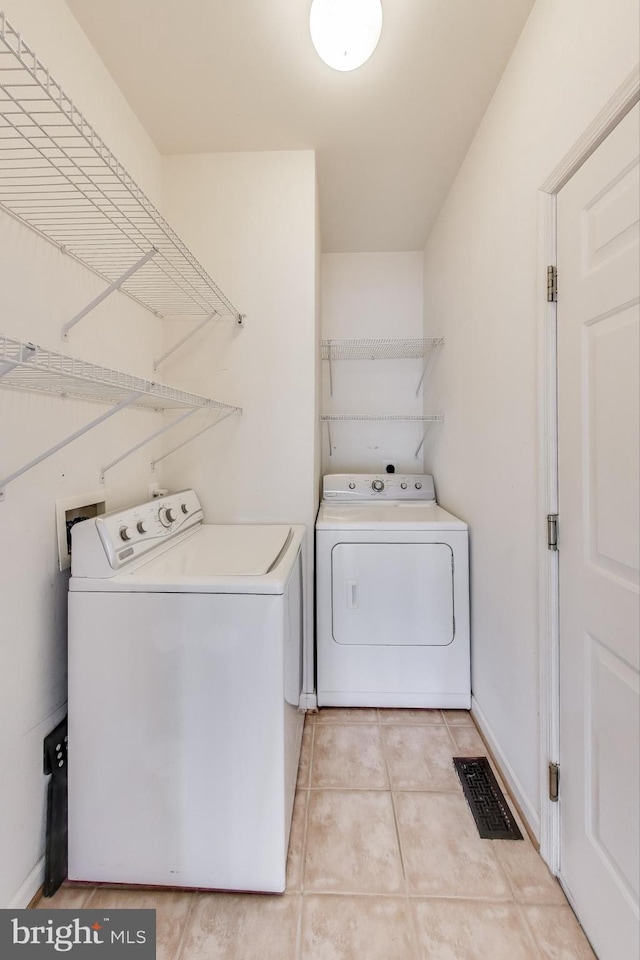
x,y
387,348
59,178
26,366
427,420
384,348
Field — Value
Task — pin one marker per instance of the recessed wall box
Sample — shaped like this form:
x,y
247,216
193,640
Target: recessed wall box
x,y
71,510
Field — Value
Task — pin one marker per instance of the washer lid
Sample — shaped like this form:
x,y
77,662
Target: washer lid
x,y
387,515
220,550
216,558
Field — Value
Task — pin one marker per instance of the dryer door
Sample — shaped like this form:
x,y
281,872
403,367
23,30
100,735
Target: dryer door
x,y
393,594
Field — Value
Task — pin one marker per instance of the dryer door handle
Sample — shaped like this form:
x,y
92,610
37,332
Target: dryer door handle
x,y
352,595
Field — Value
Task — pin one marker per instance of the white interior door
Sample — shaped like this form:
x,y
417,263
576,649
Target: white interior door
x,y
598,402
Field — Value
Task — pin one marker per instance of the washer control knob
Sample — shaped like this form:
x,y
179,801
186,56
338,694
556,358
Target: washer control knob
x,y
403,486
418,485
166,516
140,527
378,485
352,485
184,508
125,533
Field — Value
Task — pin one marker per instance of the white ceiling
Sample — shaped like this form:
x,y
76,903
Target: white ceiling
x,y
227,75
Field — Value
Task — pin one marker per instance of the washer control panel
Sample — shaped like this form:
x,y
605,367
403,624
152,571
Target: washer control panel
x,y
124,535
374,486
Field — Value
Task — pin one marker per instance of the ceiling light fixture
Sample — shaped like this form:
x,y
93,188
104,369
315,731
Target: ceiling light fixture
x,y
345,32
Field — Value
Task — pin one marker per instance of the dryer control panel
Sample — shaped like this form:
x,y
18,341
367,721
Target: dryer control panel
x,y
378,486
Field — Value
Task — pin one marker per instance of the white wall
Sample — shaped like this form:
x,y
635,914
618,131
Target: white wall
x,y
481,293
41,290
375,295
253,217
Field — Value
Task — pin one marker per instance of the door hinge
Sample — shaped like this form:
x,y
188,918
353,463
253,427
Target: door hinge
x,y
554,781
552,284
552,531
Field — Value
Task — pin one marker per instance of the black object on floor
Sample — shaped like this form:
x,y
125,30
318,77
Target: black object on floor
x,y
55,765
490,810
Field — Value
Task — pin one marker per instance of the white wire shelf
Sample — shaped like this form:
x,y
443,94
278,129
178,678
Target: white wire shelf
x,y
30,367
59,178
426,420
330,418
388,348
27,367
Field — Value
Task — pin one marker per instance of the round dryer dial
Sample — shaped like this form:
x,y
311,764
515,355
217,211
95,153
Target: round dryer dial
x,y
166,516
378,486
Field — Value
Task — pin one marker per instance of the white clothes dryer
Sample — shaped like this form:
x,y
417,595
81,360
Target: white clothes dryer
x,y
185,674
392,571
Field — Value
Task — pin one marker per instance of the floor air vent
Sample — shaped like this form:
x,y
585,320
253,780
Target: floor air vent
x,y
490,810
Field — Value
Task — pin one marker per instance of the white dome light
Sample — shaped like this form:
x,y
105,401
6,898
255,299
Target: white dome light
x,y
345,32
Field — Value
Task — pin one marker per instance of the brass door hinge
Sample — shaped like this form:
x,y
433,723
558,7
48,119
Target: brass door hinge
x,y
554,781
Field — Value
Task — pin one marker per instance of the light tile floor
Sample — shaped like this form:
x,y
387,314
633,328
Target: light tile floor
x,y
384,863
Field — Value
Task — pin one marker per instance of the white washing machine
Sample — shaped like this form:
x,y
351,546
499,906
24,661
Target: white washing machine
x,y
392,596
185,675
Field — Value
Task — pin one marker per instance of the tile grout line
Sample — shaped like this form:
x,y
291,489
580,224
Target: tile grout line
x,y
187,920
409,906
523,916
305,833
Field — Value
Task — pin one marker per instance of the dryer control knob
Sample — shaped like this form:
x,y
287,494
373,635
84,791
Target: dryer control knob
x,y
418,485
166,516
125,533
378,485
352,485
403,486
140,527
184,508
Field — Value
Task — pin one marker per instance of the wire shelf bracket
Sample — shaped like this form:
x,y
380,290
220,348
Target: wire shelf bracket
x,y
26,366
143,443
212,316
354,417
199,433
116,285
64,443
58,177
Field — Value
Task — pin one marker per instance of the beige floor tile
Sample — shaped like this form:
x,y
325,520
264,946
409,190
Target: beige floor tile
x,y
420,758
455,717
472,930
410,715
66,898
348,756
347,715
226,926
557,933
172,912
304,764
357,928
443,854
468,741
527,873
352,846
295,859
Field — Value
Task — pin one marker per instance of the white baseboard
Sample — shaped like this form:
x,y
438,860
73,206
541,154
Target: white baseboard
x,y
308,701
29,888
526,808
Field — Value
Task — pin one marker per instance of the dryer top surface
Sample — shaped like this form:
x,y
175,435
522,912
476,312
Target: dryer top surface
x,y
387,515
